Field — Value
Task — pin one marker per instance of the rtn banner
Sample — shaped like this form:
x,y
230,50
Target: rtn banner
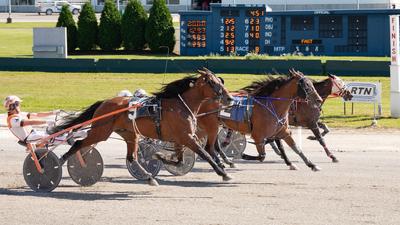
x,y
364,92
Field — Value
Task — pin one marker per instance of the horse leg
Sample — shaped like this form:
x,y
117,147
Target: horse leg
x,y
204,155
214,155
195,147
283,154
95,136
259,143
320,139
289,141
228,138
324,127
275,148
171,161
74,148
131,140
224,157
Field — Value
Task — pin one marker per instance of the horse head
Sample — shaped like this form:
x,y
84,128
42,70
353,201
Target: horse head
x,y
305,89
217,87
339,88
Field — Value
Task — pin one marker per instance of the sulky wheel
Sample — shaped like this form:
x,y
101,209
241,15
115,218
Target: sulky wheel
x,y
236,144
92,170
145,150
51,173
189,158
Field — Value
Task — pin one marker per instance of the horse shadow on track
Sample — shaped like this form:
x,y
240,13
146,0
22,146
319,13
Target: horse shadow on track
x,y
85,196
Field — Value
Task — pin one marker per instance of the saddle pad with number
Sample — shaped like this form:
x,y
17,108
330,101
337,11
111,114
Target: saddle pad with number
x,y
242,108
150,107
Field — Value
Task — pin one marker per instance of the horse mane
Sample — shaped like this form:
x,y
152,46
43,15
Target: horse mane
x,y
267,85
174,88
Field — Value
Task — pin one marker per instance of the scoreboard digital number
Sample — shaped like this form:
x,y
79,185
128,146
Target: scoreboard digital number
x,y
254,13
254,34
196,34
229,35
252,28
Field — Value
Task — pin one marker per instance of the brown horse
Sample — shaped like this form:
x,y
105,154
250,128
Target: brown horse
x,y
306,116
180,102
272,99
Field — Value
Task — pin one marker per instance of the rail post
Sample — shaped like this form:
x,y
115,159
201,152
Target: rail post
x,y
394,67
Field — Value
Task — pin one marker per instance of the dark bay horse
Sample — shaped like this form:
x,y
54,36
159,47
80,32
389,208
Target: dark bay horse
x,y
180,103
307,116
272,99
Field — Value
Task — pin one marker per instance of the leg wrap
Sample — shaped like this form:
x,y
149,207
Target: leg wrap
x,y
277,151
300,153
322,142
306,161
325,127
142,172
296,149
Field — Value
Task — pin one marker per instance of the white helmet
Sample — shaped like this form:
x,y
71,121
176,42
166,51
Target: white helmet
x,y
11,100
125,93
140,93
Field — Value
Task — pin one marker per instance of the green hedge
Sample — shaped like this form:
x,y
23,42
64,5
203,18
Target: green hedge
x,y
308,67
358,68
148,65
47,65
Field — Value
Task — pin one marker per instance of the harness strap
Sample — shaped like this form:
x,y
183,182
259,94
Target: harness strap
x,y
217,110
158,130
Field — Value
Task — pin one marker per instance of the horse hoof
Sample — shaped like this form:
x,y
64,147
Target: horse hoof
x,y
157,155
233,165
293,167
313,138
152,182
316,168
335,160
227,178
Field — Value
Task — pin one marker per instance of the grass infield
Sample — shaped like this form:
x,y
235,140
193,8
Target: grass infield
x,y
76,91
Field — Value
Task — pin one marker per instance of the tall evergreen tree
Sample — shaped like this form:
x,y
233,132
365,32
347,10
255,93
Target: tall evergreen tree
x,y
159,28
87,28
133,26
110,27
65,19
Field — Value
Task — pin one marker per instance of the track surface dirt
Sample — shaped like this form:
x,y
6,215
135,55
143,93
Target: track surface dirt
x,y
364,188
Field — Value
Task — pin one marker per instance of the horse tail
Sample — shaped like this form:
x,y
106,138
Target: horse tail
x,y
73,120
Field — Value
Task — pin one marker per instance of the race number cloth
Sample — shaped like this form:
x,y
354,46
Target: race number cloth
x,y
150,107
242,108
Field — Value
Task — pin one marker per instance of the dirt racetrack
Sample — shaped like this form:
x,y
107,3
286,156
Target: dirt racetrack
x,y
364,188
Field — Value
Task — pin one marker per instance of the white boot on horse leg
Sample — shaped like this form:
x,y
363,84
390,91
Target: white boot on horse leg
x,y
146,175
227,178
293,167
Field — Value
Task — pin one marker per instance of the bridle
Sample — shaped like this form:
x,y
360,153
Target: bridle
x,y
305,88
217,91
336,86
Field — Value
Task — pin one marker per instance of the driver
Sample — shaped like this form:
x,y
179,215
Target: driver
x,y
124,93
140,93
20,123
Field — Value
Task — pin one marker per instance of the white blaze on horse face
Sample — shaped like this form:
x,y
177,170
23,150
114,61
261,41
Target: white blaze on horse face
x,y
338,86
